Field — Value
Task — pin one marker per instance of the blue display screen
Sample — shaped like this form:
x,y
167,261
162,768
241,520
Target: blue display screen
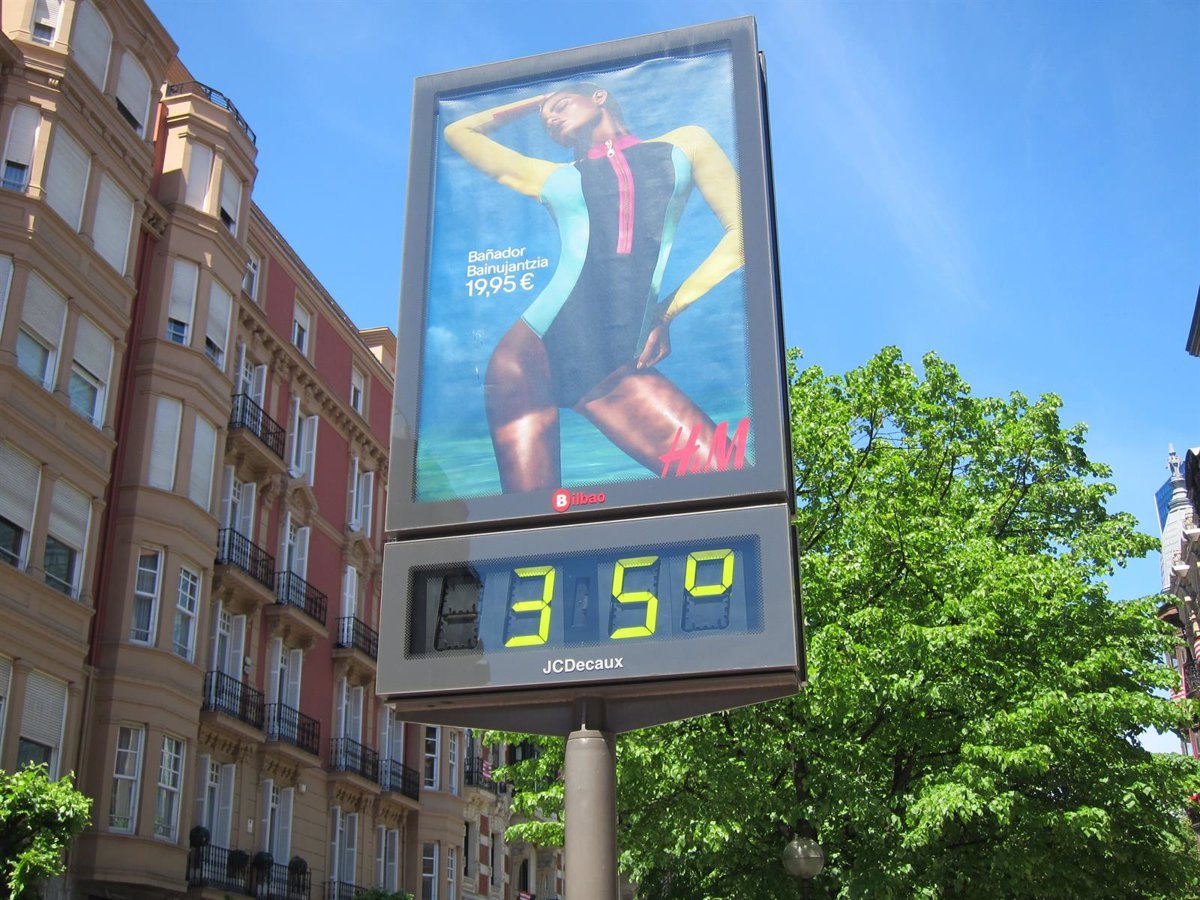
x,y
642,594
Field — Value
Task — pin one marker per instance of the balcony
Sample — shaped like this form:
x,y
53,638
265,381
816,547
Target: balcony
x,y
290,726
348,755
236,871
237,550
340,890
248,415
225,694
357,645
399,778
218,99
292,590
477,775
1191,679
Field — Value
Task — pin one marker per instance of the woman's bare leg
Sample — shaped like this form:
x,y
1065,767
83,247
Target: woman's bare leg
x,y
643,412
521,412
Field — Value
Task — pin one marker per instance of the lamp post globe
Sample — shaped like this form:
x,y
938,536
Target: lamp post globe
x,y
803,858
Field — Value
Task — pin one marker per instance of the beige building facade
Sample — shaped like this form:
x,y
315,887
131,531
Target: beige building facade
x,y
193,454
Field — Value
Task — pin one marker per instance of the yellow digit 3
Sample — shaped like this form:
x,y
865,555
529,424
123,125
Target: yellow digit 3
x,y
541,605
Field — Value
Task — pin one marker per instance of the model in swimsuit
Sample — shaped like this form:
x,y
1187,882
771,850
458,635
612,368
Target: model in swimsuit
x,y
592,337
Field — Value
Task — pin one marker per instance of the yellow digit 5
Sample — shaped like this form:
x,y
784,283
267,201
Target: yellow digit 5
x,y
541,605
708,590
623,596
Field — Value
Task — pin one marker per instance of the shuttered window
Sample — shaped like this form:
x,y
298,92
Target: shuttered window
x,y
42,717
216,335
164,445
47,14
20,476
18,149
114,222
231,198
133,93
184,276
66,538
199,174
67,176
91,42
203,450
90,373
42,319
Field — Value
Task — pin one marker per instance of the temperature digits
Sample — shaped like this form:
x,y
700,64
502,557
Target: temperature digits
x,y
708,576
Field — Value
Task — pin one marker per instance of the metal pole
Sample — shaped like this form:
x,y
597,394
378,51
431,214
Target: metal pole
x,y
590,809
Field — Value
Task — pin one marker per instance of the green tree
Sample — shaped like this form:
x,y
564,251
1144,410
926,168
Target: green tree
x,y
970,726
38,819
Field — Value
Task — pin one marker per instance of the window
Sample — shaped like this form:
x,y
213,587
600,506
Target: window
x,y
349,607
433,742
216,335
237,504
41,330
67,177
493,845
453,773
391,735
46,17
231,198
429,871
250,278
214,799
170,778
62,562
362,495
204,450
277,820
5,678
133,93
42,720
387,858
350,711
356,390
187,600
452,873
228,646
91,42
283,688
122,807
6,270
300,329
113,224
184,277
90,370
18,150
164,443
466,850
20,477
199,174
295,563
303,436
145,597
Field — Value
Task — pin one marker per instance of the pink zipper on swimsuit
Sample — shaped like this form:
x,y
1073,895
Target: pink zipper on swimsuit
x,y
625,187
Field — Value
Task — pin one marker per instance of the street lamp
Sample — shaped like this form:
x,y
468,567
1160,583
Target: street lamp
x,y
803,858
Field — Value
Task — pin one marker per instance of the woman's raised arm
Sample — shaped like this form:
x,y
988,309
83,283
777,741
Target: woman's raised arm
x,y
469,137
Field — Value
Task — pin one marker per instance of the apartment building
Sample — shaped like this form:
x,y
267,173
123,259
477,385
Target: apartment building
x,y
193,454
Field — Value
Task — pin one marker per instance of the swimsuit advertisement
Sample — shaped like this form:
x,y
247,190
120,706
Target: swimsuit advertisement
x,y
585,322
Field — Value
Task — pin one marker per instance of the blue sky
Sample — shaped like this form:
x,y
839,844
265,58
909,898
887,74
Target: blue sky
x,y
1012,184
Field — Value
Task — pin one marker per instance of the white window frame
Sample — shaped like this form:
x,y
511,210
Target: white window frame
x,y
204,460
187,605
48,15
185,280
301,329
434,782
216,332
43,319
251,276
358,390
452,769
164,443
136,635
429,870
92,364
20,486
70,523
452,872
170,789
19,146
127,770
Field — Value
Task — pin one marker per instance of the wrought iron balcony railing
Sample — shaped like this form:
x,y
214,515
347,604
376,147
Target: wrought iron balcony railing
x,y
354,632
214,96
226,694
293,727
243,872
235,549
348,755
246,413
479,776
397,777
1191,679
292,590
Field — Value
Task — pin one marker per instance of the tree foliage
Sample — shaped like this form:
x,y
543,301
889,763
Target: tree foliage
x,y
38,819
970,726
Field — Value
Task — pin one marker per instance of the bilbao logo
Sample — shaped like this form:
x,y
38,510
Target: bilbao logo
x,y
562,499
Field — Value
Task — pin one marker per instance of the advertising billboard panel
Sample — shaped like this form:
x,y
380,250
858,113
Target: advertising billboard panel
x,y
589,309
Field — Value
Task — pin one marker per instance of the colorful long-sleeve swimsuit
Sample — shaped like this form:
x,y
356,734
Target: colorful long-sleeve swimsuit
x,y
616,211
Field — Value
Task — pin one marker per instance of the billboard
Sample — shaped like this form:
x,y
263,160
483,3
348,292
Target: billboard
x,y
588,315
